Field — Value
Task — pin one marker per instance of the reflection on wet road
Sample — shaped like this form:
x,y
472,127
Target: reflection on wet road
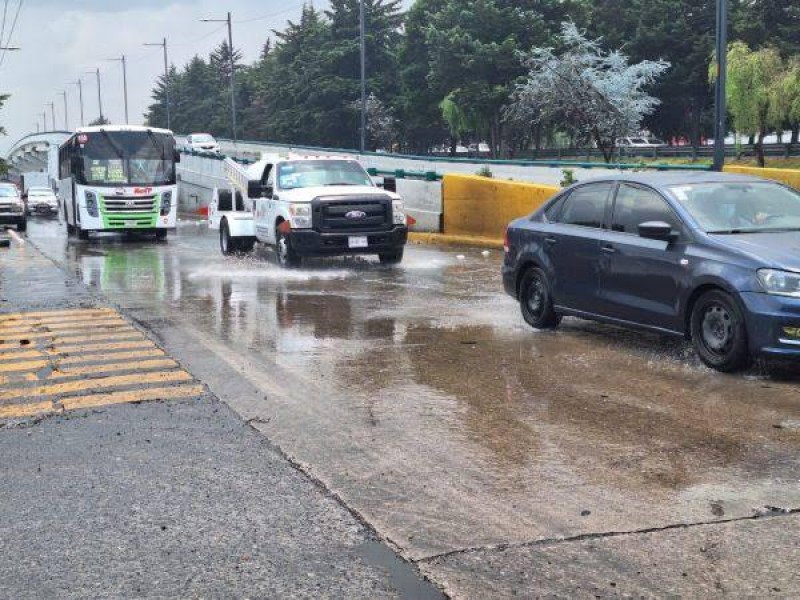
x,y
418,394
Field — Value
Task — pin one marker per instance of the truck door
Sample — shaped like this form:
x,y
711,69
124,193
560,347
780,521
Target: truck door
x,y
264,209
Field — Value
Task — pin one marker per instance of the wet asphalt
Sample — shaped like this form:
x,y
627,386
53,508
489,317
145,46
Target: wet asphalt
x,y
502,461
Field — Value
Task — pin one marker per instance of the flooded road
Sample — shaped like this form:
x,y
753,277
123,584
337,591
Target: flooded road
x,y
418,396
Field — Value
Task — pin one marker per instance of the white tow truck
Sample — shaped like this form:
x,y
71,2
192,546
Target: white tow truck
x,y
307,206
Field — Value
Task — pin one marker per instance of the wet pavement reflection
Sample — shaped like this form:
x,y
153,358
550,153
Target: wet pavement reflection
x,y
419,394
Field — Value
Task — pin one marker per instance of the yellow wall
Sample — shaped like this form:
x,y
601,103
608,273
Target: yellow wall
x,y
788,176
482,207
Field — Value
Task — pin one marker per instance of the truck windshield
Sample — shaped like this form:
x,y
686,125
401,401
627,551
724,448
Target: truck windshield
x,y
8,192
318,173
127,158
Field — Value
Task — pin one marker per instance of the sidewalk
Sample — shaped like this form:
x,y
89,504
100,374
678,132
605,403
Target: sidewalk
x,y
123,477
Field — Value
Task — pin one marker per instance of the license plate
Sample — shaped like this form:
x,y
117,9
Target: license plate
x,y
359,242
131,223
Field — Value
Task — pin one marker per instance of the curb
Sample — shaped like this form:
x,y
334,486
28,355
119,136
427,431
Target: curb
x,y
445,239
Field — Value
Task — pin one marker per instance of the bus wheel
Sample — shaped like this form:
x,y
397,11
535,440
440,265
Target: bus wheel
x,y
83,234
161,234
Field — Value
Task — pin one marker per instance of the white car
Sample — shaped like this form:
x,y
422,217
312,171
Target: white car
x,y
640,142
12,207
202,142
42,200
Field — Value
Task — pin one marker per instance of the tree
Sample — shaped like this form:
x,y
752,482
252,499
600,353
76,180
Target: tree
x,y
100,121
753,91
381,124
594,94
3,98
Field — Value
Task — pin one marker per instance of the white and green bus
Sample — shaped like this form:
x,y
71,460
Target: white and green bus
x,y
119,178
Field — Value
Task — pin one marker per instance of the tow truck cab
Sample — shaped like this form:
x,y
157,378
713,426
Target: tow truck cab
x,y
308,206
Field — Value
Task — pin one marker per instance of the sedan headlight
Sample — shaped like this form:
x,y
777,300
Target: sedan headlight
x,y
301,216
399,212
780,283
91,204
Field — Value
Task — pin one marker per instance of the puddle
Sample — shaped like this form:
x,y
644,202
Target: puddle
x,y
407,582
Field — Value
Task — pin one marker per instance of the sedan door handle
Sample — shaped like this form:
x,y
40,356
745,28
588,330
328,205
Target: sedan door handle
x,y
608,249
550,241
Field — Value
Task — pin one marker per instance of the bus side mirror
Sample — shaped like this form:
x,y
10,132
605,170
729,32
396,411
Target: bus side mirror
x,y
177,156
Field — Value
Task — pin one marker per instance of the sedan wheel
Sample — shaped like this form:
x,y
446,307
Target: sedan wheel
x,y
719,333
536,301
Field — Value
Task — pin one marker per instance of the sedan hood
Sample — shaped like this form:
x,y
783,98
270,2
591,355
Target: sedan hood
x,y
777,250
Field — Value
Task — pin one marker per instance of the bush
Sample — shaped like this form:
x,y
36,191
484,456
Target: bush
x,y
567,177
485,171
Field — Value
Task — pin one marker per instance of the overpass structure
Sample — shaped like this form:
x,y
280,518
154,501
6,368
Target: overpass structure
x,y
36,152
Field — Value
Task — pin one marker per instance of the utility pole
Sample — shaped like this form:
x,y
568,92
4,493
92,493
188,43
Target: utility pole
x,y
79,83
52,113
363,29
44,117
233,74
38,127
166,78
123,60
99,94
720,108
66,113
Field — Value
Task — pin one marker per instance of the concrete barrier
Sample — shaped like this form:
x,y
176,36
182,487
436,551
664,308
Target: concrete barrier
x,y
788,176
423,201
481,207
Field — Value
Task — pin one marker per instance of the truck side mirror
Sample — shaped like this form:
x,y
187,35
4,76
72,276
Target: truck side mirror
x,y
256,190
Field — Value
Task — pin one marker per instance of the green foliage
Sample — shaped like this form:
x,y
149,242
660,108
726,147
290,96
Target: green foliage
x,y
485,171
3,98
567,177
99,121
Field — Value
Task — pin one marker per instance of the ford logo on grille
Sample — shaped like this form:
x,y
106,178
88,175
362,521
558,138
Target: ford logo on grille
x,y
355,215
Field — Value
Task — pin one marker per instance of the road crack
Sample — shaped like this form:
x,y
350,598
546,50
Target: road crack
x,y
767,512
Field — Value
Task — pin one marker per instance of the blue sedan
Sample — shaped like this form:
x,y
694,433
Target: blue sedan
x,y
708,256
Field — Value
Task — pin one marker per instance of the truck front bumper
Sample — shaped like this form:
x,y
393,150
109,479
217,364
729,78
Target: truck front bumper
x,y
14,218
307,242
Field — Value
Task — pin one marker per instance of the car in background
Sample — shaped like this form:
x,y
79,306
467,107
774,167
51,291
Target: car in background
x,y
42,201
711,257
12,207
202,142
640,142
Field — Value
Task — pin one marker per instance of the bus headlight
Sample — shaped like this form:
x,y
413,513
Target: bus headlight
x,y
398,212
91,204
301,216
166,203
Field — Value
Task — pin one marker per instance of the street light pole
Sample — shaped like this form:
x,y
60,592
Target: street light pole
x,y
52,113
166,78
362,27
123,60
229,21
79,83
720,108
44,117
66,113
99,94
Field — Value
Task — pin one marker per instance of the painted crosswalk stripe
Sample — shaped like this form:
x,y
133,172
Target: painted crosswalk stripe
x,y
144,395
20,411
110,356
74,336
80,313
142,365
80,326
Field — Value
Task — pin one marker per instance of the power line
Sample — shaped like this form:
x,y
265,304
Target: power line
x,y
270,15
11,33
3,28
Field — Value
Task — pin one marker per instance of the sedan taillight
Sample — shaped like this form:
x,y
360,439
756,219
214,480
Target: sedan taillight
x,y
506,245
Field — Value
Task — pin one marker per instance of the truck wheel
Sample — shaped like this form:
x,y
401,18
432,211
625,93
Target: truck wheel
x,y
391,258
287,257
227,244
23,226
246,245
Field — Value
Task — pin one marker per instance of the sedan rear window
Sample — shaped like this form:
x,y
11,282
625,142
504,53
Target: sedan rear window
x,y
741,207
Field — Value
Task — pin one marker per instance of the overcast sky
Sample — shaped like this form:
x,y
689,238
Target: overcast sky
x,y
63,39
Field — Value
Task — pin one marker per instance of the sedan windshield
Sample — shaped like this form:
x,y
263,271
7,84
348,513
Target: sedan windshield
x,y
741,207
315,173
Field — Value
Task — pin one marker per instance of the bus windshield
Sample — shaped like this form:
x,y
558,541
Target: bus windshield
x,y
127,158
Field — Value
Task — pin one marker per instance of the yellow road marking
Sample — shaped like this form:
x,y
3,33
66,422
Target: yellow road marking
x,y
18,411
97,400
90,384
79,326
142,365
17,378
8,356
76,349
90,358
31,365
72,337
81,312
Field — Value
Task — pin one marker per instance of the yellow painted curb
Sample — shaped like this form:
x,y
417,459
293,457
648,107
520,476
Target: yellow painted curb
x,y
444,239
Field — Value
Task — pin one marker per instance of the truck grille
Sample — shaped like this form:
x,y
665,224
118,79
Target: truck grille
x,y
367,213
129,204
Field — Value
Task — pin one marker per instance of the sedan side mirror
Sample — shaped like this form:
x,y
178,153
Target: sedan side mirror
x,y
656,230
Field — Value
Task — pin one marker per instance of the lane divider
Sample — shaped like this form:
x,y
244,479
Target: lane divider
x,y
56,361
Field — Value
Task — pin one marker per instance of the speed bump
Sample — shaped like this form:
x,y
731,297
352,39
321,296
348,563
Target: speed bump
x,y
57,361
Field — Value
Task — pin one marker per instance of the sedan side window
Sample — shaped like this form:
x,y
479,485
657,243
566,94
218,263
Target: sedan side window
x,y
636,205
586,206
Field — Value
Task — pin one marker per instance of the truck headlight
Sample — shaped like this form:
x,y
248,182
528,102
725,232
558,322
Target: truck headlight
x,y
166,203
301,216
91,204
780,283
399,212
